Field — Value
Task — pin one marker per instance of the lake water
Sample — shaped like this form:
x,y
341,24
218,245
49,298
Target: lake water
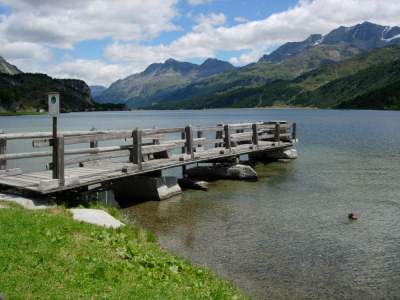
x,y
286,235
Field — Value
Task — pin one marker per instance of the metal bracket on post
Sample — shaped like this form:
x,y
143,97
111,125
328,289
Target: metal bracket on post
x,y
137,148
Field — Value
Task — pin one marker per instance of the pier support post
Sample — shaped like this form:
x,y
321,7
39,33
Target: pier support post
x,y
189,140
3,150
277,132
227,131
137,148
255,134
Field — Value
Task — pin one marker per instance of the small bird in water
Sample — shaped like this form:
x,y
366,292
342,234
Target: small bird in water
x,y
352,216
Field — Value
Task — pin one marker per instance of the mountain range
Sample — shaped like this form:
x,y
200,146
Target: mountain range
x,y
176,81
158,80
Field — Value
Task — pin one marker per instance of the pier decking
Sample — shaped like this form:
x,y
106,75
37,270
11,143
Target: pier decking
x,y
139,151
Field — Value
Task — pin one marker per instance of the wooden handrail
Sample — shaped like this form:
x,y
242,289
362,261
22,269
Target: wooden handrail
x,y
251,133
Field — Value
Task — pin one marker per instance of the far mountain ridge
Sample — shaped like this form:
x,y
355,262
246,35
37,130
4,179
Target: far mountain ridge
x,y
159,79
365,36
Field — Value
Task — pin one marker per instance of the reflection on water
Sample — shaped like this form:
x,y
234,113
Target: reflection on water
x,y
286,235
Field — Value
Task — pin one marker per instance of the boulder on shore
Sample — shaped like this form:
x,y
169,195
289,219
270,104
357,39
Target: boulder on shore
x,y
223,172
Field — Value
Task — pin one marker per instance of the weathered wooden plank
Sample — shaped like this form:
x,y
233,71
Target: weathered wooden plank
x,y
147,132
208,128
33,135
10,172
99,156
10,156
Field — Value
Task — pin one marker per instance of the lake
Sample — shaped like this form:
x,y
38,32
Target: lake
x,y
286,235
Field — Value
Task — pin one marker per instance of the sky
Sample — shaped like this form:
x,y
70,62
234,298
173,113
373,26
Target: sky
x,y
101,41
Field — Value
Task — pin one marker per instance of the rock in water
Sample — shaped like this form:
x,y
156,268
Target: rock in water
x,y
193,184
224,172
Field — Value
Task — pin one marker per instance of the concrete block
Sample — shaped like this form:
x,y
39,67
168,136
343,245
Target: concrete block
x,y
146,188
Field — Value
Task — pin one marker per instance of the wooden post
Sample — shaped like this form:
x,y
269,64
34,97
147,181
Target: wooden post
x,y
218,135
189,140
199,135
183,151
137,148
55,159
227,131
277,132
255,134
3,150
94,144
294,131
60,160
156,141
183,137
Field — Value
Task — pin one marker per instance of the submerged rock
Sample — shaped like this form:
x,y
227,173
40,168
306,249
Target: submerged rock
x,y
223,172
193,184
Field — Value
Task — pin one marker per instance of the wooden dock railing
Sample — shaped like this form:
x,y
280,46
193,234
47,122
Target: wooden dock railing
x,y
143,145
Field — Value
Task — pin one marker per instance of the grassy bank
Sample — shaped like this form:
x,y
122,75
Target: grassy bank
x,y
45,254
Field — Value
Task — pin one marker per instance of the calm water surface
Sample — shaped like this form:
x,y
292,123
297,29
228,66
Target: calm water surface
x,y
286,235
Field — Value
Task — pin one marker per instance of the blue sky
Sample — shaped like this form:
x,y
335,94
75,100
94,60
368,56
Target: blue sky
x,y
101,41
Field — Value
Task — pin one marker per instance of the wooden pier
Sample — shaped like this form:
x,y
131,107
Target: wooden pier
x,y
136,152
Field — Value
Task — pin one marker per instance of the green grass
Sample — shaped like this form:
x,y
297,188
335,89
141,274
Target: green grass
x,y
47,255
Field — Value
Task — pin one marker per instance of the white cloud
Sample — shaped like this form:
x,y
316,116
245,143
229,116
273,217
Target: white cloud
x,y
62,23
207,23
198,2
92,71
35,28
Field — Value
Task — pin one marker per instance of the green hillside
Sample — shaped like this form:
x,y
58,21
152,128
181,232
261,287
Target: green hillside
x,y
258,74
324,87
27,93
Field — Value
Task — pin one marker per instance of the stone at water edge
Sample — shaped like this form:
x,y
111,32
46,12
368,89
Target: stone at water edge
x,y
224,172
193,184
